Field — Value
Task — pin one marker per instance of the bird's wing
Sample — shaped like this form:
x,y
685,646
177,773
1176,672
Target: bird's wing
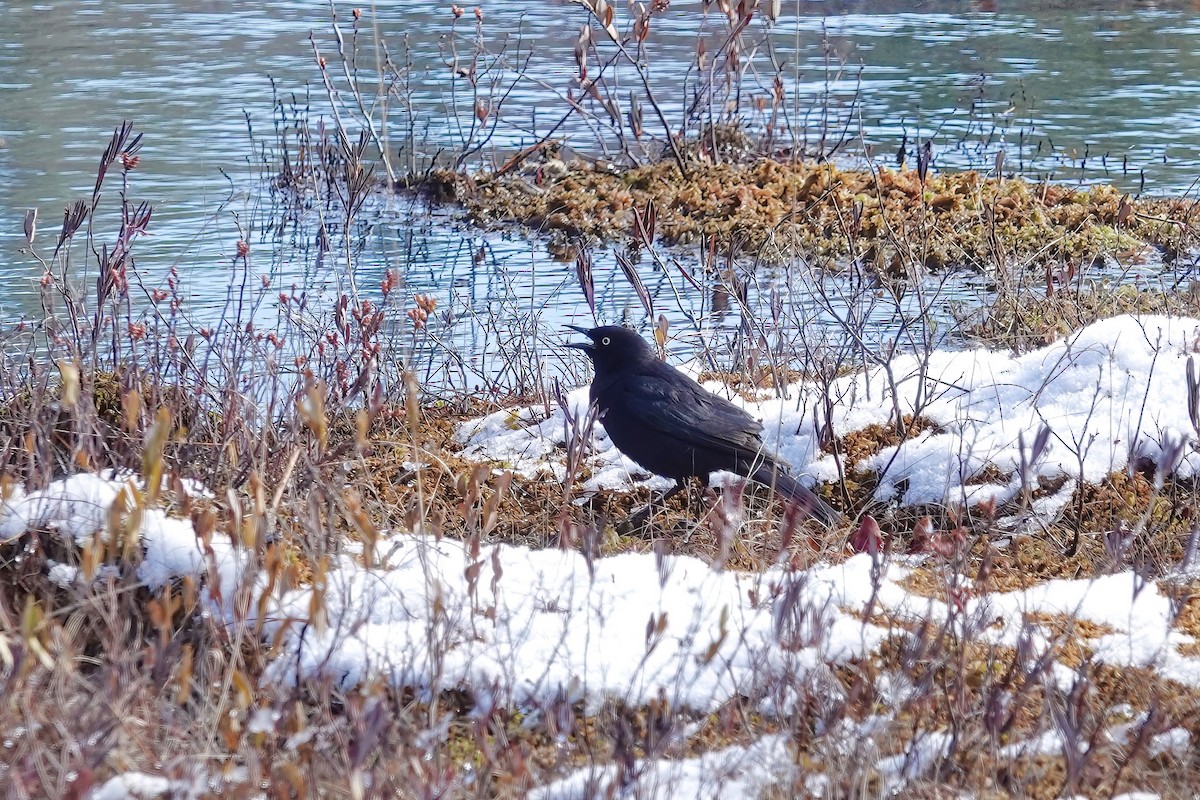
x,y
676,405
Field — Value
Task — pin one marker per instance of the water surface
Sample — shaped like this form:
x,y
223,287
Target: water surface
x,y
1070,91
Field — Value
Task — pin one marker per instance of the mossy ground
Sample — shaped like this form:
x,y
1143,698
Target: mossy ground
x,y
888,220
384,494
1028,317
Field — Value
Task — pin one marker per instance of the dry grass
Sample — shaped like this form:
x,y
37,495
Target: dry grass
x,y
310,458
174,684
1025,320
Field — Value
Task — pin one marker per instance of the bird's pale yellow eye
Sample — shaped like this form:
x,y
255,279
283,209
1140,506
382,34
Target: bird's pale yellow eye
x,y
606,340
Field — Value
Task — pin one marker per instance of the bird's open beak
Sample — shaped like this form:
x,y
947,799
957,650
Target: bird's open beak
x,y
586,347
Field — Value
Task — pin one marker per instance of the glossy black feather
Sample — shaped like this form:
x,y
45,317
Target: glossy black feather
x,y
674,427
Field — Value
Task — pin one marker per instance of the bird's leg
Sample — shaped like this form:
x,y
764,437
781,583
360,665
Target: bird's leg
x,y
638,519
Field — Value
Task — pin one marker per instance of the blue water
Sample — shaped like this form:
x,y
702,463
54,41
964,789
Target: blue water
x,y
1073,93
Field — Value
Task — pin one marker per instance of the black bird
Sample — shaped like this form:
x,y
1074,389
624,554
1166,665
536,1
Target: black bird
x,y
672,426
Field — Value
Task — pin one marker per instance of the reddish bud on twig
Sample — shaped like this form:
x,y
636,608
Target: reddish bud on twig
x,y
922,536
868,538
389,282
987,508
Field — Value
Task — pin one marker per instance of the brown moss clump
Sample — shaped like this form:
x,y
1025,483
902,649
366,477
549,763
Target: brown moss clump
x,y
873,439
890,221
928,582
750,383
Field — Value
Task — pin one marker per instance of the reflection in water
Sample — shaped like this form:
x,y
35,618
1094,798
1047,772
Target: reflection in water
x,y
1068,93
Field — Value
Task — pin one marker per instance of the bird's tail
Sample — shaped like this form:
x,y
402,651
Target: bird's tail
x,y
776,477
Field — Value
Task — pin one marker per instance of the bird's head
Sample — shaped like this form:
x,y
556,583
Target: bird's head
x,y
612,347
